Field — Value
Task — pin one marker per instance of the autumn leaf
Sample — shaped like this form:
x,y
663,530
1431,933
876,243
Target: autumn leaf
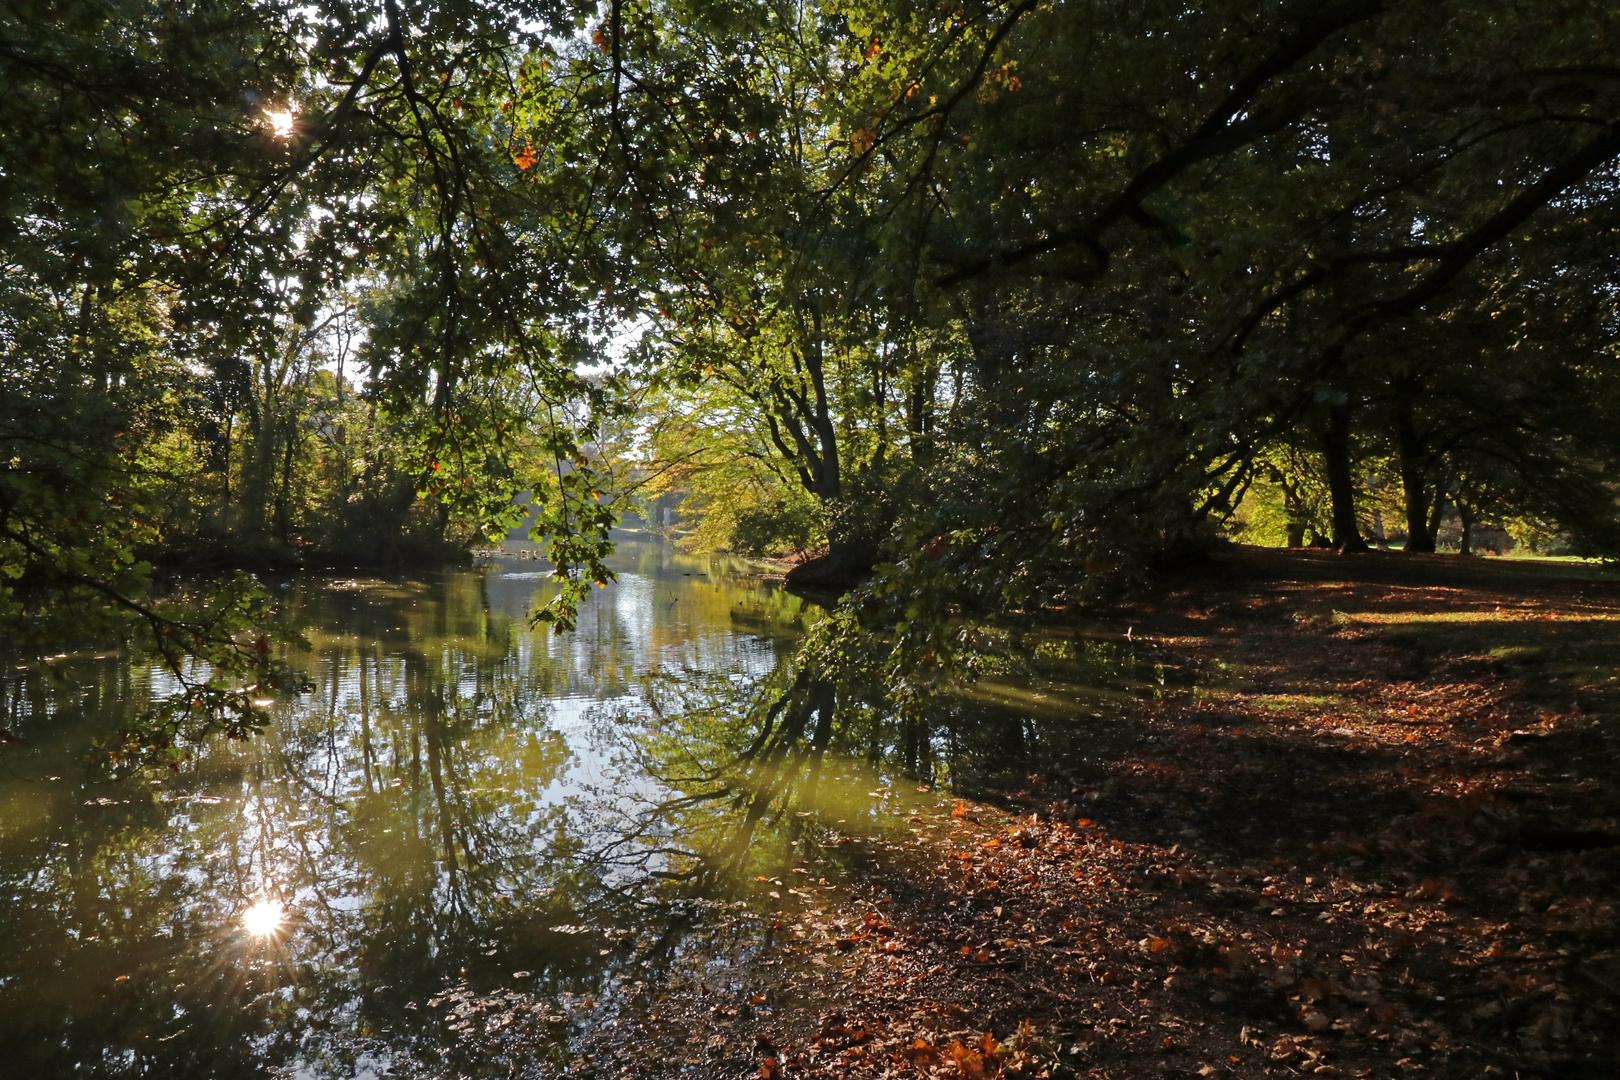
x,y
526,159
922,1053
970,1063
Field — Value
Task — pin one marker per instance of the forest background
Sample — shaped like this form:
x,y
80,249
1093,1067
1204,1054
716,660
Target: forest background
x,y
1000,303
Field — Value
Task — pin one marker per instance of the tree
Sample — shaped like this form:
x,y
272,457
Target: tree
x,y
1219,226
178,211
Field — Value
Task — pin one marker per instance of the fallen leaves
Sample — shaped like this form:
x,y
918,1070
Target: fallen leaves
x,y
1259,905
977,1061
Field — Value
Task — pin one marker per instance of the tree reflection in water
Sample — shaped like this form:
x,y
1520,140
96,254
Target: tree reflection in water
x,y
480,834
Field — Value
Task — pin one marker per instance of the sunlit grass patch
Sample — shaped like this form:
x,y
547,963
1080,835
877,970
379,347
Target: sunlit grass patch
x,y
1518,653
1287,703
1498,615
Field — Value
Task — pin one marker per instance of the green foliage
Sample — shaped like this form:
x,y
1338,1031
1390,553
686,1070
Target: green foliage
x,y
1287,503
175,271
1034,295
786,525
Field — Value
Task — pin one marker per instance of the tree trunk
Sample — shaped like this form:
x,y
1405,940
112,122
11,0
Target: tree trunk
x,y
1341,482
284,491
230,424
1293,506
1419,537
920,412
1438,514
1466,545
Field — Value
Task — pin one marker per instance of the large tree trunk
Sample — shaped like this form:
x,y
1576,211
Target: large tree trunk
x,y
1293,506
920,413
1341,481
1410,446
803,428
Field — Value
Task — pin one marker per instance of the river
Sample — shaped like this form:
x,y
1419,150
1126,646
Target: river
x,y
470,842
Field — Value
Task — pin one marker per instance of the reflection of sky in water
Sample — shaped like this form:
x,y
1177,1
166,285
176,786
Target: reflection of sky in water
x,y
429,812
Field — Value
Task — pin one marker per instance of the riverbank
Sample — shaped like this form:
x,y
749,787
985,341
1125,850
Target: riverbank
x,y
1385,843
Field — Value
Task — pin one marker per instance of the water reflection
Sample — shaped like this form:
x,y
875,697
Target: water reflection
x,y
264,918
464,812
441,813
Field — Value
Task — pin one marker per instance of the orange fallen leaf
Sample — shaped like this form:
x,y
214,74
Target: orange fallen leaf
x,y
922,1054
969,1063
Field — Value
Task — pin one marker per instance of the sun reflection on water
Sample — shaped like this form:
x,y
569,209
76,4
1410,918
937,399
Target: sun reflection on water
x,y
264,918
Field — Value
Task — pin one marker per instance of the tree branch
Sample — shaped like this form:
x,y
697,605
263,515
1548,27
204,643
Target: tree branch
x,y
1221,132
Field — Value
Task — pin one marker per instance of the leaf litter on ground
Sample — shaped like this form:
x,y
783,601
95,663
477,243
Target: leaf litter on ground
x,y
1382,851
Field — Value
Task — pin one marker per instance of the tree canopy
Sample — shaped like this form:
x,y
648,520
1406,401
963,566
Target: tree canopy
x,y
1005,299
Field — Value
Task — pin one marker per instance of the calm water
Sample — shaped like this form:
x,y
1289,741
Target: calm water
x,y
464,811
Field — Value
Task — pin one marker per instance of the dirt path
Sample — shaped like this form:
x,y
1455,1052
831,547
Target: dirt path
x,y
1388,846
